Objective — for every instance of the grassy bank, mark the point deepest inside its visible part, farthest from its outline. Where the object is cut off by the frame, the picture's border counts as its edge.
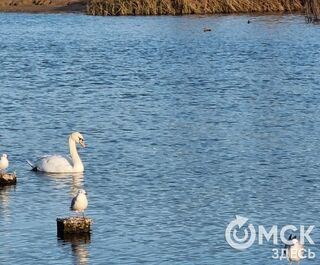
(184, 7)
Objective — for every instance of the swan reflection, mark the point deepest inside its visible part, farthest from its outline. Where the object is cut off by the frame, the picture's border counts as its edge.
(75, 180)
(79, 246)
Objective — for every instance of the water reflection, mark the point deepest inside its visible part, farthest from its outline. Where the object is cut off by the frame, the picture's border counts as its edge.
(4, 199)
(79, 246)
(75, 180)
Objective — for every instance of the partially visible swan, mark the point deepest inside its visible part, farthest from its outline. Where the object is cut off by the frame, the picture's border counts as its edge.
(61, 164)
(4, 162)
(295, 251)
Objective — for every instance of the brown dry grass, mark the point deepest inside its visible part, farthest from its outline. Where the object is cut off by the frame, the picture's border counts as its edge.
(311, 8)
(183, 7)
(312, 11)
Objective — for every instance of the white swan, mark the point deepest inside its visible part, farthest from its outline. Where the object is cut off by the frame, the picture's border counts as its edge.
(295, 250)
(61, 164)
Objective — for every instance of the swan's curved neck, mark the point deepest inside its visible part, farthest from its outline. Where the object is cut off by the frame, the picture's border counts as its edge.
(77, 163)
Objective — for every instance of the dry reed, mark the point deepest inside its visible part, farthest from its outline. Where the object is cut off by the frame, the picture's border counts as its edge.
(312, 11)
(184, 7)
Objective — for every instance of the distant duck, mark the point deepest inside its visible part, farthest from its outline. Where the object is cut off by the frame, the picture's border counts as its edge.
(4, 162)
(61, 164)
(206, 29)
(249, 21)
(294, 250)
(80, 202)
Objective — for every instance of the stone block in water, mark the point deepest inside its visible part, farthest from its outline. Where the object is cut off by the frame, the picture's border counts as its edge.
(73, 225)
(7, 178)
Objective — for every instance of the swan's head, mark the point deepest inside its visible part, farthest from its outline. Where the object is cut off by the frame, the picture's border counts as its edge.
(81, 191)
(78, 138)
(5, 156)
(295, 241)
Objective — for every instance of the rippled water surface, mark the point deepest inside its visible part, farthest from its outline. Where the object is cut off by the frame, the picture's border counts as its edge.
(184, 128)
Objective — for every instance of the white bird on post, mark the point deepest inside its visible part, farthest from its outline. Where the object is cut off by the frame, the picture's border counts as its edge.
(80, 202)
(4, 162)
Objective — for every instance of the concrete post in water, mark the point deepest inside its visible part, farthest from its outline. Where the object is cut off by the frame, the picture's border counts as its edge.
(8, 178)
(73, 225)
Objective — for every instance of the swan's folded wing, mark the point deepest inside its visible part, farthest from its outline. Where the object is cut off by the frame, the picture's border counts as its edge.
(54, 164)
(36, 162)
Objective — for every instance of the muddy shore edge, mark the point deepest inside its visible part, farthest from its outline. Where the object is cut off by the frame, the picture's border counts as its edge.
(44, 6)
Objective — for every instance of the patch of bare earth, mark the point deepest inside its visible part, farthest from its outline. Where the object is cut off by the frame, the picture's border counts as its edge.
(50, 6)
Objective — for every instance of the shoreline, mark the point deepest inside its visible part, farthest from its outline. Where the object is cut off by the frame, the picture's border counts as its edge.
(94, 7)
(43, 6)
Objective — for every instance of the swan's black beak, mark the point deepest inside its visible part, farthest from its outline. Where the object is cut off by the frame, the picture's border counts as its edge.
(81, 141)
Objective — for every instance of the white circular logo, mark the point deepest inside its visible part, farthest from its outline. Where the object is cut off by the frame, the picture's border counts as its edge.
(231, 234)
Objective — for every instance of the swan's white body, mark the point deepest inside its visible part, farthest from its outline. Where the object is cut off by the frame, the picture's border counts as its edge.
(4, 162)
(80, 202)
(61, 164)
(295, 251)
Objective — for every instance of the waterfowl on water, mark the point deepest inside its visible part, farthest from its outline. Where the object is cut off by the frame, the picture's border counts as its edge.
(294, 250)
(62, 164)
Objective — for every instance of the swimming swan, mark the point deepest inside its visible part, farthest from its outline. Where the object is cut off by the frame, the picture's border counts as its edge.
(61, 164)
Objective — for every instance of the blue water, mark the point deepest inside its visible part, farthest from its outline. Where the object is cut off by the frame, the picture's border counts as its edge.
(185, 129)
